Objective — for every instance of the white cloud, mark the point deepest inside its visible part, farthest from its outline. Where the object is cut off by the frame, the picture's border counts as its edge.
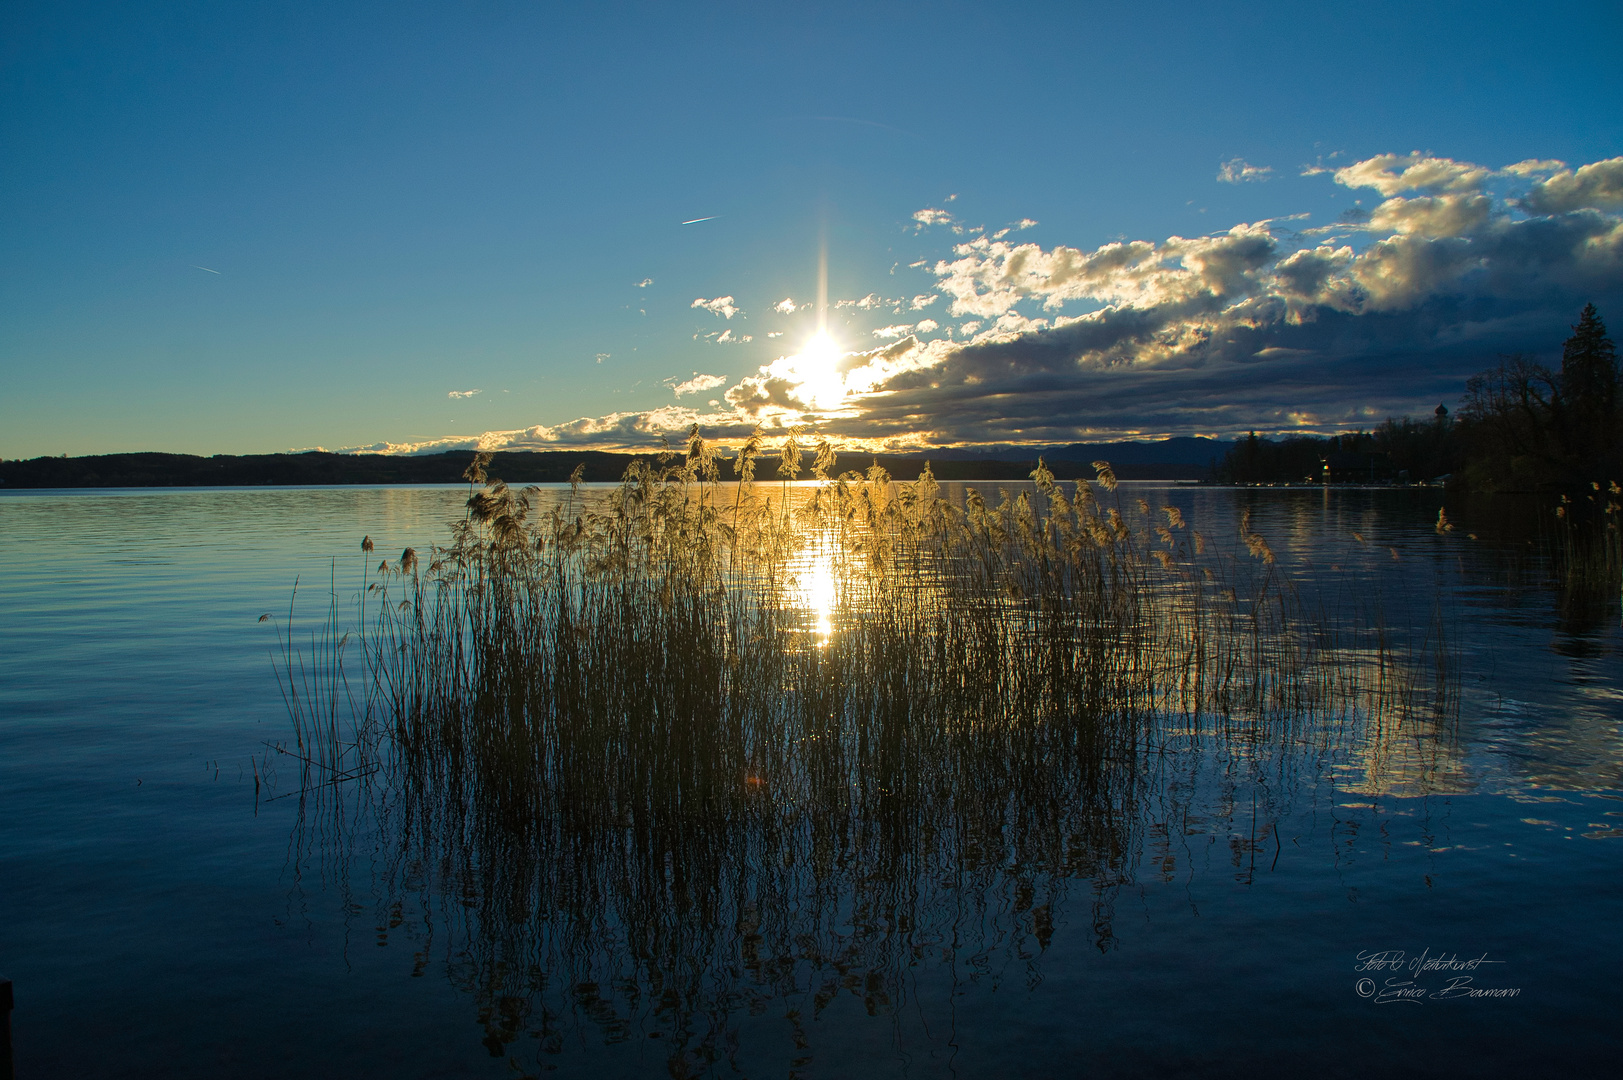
(775, 333)
(1393, 173)
(931, 216)
(786, 306)
(1025, 223)
(1238, 171)
(721, 305)
(1595, 187)
(924, 300)
(899, 330)
(602, 356)
(698, 384)
(1535, 167)
(1008, 327)
(866, 303)
(990, 277)
(616, 430)
(645, 282)
(723, 337)
(455, 394)
(1432, 215)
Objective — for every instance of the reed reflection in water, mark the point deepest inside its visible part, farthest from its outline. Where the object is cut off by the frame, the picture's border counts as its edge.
(683, 756)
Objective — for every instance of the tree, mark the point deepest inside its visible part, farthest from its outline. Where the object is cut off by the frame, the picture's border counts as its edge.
(1510, 417)
(1589, 380)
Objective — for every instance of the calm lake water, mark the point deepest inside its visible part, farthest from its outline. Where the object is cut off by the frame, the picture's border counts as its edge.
(164, 913)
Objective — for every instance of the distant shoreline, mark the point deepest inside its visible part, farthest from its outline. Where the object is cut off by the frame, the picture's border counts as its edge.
(318, 468)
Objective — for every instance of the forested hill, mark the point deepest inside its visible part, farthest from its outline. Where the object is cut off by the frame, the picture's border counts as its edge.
(552, 466)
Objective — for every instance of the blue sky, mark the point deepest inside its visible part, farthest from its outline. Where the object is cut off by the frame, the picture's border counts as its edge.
(230, 228)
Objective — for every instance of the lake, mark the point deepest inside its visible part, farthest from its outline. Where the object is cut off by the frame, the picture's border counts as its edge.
(177, 900)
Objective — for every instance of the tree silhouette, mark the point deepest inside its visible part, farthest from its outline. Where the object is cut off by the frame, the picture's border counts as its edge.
(1589, 390)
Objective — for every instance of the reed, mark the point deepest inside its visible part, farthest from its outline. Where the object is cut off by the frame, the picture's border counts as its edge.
(676, 751)
(1586, 544)
(332, 737)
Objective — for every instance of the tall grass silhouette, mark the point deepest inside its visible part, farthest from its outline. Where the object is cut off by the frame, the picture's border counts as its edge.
(669, 752)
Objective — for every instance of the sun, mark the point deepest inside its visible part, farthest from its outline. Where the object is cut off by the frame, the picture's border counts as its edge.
(817, 367)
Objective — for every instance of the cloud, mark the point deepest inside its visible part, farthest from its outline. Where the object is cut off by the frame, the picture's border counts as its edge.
(1534, 167)
(616, 430)
(931, 216)
(1238, 171)
(1393, 173)
(724, 337)
(1250, 328)
(925, 326)
(990, 277)
(1593, 187)
(866, 303)
(786, 306)
(721, 305)
(1246, 328)
(1266, 325)
(1305, 274)
(698, 384)
(455, 394)
(924, 300)
(1432, 215)
(602, 356)
(645, 282)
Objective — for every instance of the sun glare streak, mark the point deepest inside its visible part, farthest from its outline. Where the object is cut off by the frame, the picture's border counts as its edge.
(822, 280)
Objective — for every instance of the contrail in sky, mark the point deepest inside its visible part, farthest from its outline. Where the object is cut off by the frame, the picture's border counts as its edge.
(206, 268)
(696, 220)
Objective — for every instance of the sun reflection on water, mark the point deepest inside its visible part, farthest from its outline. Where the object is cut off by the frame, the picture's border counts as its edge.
(816, 592)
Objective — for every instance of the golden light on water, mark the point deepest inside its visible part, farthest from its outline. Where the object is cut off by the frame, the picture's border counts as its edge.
(815, 592)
